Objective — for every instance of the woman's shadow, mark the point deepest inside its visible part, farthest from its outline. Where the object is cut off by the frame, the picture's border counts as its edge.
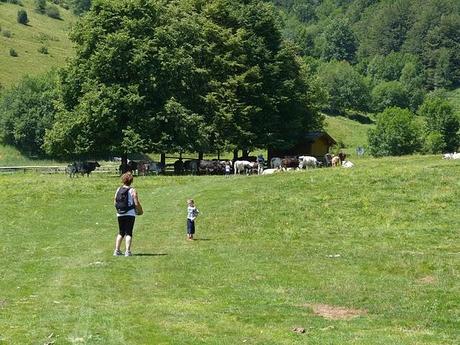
(149, 254)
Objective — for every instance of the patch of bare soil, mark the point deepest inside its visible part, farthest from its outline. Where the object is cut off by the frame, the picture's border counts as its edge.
(428, 280)
(331, 312)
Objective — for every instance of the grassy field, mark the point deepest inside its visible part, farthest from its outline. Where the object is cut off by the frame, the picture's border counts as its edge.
(41, 31)
(380, 241)
(349, 132)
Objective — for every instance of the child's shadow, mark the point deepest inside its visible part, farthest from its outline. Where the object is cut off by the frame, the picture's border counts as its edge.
(202, 239)
(149, 254)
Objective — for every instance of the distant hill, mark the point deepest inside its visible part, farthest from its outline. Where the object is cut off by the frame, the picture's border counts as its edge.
(41, 33)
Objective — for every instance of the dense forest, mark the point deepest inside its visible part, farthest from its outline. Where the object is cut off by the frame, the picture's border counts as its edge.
(357, 58)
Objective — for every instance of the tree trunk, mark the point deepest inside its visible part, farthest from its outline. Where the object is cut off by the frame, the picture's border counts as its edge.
(163, 158)
(245, 153)
(235, 154)
(124, 163)
(200, 156)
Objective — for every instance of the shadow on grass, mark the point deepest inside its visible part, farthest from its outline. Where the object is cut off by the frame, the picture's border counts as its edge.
(202, 239)
(149, 254)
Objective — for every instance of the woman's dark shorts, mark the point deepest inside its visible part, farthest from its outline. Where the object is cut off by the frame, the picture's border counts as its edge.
(126, 225)
(190, 226)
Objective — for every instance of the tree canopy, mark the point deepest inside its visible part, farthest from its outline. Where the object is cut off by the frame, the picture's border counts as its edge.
(181, 75)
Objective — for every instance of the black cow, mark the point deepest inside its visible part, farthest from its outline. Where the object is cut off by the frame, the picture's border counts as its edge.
(82, 168)
(131, 167)
(191, 166)
(213, 167)
(179, 167)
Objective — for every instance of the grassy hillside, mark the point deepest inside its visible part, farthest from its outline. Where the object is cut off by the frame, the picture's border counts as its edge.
(42, 31)
(349, 132)
(367, 255)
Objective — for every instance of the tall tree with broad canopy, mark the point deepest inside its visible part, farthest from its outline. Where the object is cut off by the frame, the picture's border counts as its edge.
(180, 75)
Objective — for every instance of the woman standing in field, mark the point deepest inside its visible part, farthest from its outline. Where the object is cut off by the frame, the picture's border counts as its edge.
(128, 206)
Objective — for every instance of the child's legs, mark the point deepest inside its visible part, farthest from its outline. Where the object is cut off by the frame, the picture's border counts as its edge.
(190, 228)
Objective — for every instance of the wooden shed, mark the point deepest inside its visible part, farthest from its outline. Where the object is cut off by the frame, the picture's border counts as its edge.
(315, 144)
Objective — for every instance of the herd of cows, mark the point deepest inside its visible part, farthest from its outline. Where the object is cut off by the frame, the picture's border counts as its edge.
(248, 165)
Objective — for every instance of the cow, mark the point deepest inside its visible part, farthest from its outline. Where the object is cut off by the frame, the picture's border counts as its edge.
(275, 163)
(454, 155)
(242, 167)
(132, 167)
(192, 166)
(82, 168)
(156, 168)
(289, 162)
(342, 156)
(143, 168)
(347, 164)
(210, 167)
(336, 161)
(179, 167)
(269, 171)
(306, 162)
(328, 160)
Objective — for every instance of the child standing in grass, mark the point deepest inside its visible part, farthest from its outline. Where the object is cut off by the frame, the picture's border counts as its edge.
(192, 213)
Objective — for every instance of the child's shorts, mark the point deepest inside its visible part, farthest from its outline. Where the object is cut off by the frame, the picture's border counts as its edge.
(190, 226)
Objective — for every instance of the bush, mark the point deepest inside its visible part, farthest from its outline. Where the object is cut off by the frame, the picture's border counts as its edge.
(434, 143)
(53, 12)
(43, 50)
(441, 119)
(13, 52)
(40, 6)
(22, 17)
(397, 132)
(6, 33)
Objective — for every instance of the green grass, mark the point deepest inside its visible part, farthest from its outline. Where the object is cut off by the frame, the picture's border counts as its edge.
(262, 255)
(350, 132)
(27, 39)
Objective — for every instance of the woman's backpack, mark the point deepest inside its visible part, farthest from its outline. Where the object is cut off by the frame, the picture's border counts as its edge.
(122, 201)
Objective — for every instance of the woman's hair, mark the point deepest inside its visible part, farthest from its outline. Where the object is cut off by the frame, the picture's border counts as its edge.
(127, 179)
(190, 201)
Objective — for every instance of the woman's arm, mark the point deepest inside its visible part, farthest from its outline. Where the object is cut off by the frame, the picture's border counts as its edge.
(137, 203)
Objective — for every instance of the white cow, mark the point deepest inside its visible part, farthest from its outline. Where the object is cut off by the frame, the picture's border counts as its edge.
(242, 167)
(347, 164)
(306, 162)
(455, 155)
(270, 171)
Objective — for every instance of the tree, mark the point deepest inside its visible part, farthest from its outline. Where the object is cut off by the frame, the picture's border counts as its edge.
(338, 42)
(345, 87)
(441, 123)
(389, 94)
(397, 132)
(181, 75)
(27, 111)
